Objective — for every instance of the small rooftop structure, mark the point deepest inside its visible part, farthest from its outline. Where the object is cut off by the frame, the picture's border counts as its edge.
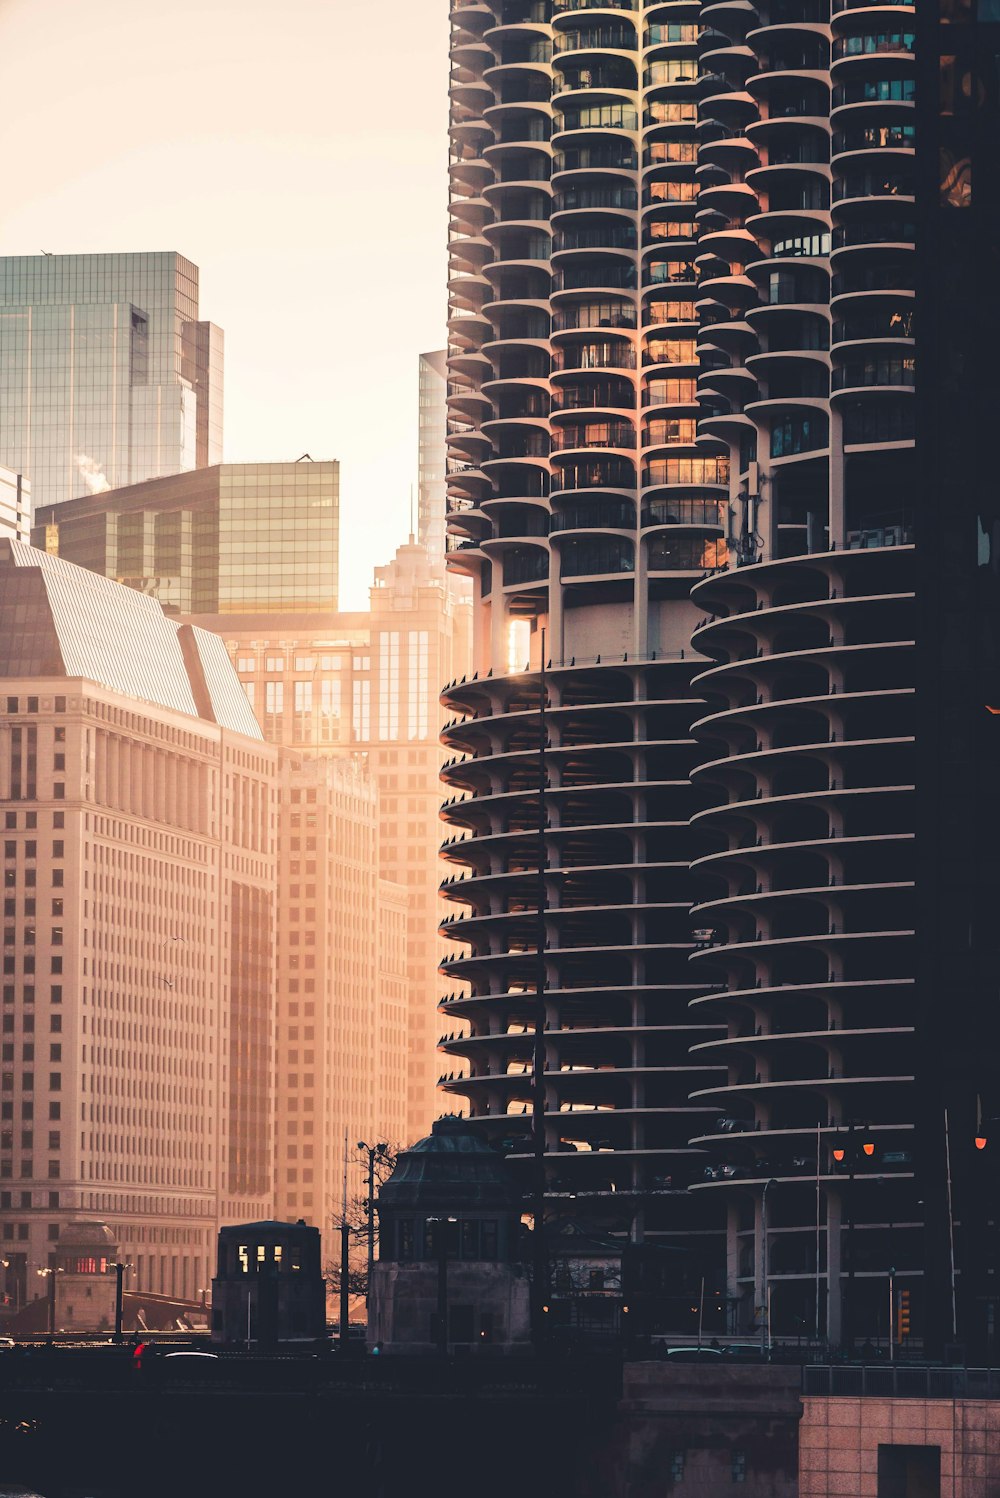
(269, 1287)
(449, 1270)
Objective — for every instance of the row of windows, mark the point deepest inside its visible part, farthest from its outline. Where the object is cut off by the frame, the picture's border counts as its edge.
(31, 704)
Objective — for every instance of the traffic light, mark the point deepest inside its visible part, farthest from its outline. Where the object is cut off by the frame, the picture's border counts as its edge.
(980, 1140)
(903, 1316)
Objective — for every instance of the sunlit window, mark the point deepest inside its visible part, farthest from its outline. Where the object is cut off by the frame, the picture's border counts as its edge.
(518, 644)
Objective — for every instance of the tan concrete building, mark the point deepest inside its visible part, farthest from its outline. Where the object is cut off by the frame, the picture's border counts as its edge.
(139, 810)
(340, 986)
(366, 685)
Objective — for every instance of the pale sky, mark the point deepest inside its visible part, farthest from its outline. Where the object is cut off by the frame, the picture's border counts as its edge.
(297, 153)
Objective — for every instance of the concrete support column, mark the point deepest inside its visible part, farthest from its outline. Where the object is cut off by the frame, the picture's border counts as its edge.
(498, 624)
(767, 509)
(732, 1252)
(838, 515)
(554, 642)
(834, 1298)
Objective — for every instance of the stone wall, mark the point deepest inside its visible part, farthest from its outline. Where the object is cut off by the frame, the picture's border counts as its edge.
(840, 1441)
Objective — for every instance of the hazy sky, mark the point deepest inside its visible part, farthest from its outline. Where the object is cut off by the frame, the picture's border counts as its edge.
(297, 153)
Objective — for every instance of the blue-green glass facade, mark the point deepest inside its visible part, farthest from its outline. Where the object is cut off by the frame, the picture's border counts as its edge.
(107, 376)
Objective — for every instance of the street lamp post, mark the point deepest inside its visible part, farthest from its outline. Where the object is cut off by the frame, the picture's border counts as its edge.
(375, 1152)
(51, 1273)
(841, 1151)
(120, 1271)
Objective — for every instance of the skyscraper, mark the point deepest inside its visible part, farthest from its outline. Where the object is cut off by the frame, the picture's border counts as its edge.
(234, 538)
(365, 686)
(107, 376)
(806, 886)
(341, 991)
(15, 506)
(431, 426)
(139, 808)
(733, 192)
(584, 504)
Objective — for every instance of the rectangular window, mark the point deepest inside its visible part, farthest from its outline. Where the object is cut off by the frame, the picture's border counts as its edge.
(274, 699)
(418, 683)
(361, 710)
(303, 696)
(388, 684)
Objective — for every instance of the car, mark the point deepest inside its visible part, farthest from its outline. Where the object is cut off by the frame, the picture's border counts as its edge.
(7, 1344)
(746, 1351)
(691, 1354)
(213, 1356)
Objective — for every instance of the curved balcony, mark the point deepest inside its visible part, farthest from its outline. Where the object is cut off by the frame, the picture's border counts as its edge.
(806, 901)
(617, 1030)
(580, 45)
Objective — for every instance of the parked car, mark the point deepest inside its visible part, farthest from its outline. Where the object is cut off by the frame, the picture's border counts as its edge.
(691, 1354)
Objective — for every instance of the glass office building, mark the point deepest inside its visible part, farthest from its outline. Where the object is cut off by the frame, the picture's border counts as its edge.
(107, 376)
(236, 538)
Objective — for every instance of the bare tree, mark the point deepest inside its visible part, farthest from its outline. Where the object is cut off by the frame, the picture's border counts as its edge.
(357, 1222)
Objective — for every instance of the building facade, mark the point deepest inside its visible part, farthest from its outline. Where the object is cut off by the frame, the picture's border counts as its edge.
(138, 957)
(15, 506)
(365, 686)
(107, 375)
(431, 435)
(234, 538)
(340, 997)
(585, 504)
(807, 877)
(735, 192)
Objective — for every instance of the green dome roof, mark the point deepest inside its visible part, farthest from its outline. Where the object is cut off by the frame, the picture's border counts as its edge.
(455, 1166)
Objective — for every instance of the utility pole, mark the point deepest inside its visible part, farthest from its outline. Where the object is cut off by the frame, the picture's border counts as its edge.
(374, 1152)
(539, 1275)
(850, 1241)
(345, 1259)
(765, 1302)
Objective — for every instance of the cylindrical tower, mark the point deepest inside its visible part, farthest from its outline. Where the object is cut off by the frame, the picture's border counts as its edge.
(807, 905)
(584, 504)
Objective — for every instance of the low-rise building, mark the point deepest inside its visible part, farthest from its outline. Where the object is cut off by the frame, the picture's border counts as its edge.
(268, 1287)
(450, 1274)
